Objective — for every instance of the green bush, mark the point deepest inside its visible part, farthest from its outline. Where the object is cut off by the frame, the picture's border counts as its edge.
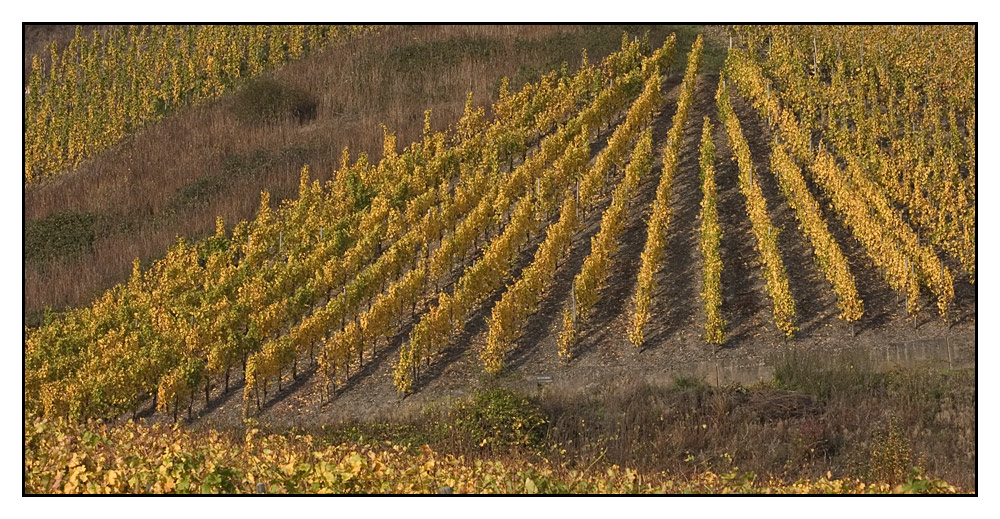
(501, 418)
(267, 101)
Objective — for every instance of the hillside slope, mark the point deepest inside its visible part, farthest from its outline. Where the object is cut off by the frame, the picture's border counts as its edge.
(173, 179)
(368, 308)
(674, 346)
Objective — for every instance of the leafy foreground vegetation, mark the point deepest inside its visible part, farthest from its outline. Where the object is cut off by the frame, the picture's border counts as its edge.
(688, 438)
(96, 458)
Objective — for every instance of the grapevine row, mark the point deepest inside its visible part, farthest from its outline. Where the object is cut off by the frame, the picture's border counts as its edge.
(282, 351)
(415, 350)
(596, 268)
(434, 331)
(828, 255)
(955, 197)
(920, 171)
(927, 267)
(447, 318)
(273, 281)
(653, 250)
(775, 276)
(711, 236)
(521, 299)
(403, 290)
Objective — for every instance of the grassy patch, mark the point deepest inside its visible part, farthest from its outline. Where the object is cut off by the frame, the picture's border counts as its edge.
(61, 234)
(818, 376)
(425, 59)
(492, 421)
(688, 382)
(841, 416)
(599, 40)
(263, 160)
(198, 192)
(417, 58)
(712, 56)
(236, 167)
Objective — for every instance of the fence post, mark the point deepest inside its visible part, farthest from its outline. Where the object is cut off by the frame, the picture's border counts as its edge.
(815, 55)
(947, 339)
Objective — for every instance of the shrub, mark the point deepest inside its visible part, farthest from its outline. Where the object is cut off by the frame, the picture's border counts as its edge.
(890, 459)
(267, 101)
(501, 418)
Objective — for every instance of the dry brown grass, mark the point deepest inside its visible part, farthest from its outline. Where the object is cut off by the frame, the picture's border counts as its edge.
(859, 423)
(879, 426)
(144, 193)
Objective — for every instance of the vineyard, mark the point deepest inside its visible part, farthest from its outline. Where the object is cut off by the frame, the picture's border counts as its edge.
(620, 217)
(159, 69)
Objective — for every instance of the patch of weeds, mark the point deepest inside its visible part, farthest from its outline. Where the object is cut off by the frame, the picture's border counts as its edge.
(419, 57)
(815, 440)
(198, 192)
(501, 418)
(526, 74)
(61, 234)
(599, 40)
(236, 167)
(249, 165)
(712, 58)
(934, 397)
(683, 382)
(848, 375)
